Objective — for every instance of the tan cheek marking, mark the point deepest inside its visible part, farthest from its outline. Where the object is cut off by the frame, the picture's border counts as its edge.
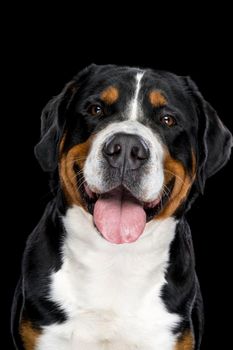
(76, 155)
(183, 181)
(110, 95)
(157, 99)
(185, 342)
(29, 335)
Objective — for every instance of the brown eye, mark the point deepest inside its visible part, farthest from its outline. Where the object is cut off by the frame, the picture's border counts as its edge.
(96, 110)
(168, 120)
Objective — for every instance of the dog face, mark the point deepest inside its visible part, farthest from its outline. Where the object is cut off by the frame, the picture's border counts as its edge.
(129, 145)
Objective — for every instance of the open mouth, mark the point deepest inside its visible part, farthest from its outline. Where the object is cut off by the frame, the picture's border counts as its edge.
(118, 215)
(151, 209)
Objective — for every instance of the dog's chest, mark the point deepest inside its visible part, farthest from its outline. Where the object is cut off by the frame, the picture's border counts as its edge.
(112, 293)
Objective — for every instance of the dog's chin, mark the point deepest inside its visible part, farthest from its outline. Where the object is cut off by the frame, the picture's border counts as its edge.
(119, 215)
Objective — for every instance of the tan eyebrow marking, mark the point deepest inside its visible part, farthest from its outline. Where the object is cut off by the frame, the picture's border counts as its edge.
(157, 99)
(110, 95)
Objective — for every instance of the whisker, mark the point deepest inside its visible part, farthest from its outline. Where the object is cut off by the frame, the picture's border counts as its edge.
(79, 172)
(80, 158)
(80, 178)
(72, 161)
(81, 184)
(166, 190)
(176, 176)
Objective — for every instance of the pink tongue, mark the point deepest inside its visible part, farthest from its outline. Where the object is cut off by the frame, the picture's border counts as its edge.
(119, 217)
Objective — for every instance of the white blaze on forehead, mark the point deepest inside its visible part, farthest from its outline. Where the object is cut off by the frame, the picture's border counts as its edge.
(134, 105)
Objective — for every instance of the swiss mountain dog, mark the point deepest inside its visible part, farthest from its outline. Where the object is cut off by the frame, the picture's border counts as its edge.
(110, 265)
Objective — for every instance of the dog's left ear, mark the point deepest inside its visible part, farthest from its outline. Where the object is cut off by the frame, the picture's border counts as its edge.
(215, 140)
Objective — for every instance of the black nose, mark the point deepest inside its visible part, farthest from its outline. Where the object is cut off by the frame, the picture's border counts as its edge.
(125, 151)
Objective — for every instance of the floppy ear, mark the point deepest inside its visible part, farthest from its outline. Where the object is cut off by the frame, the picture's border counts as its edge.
(215, 140)
(52, 127)
(53, 120)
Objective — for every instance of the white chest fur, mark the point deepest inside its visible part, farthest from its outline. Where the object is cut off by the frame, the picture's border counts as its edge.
(111, 293)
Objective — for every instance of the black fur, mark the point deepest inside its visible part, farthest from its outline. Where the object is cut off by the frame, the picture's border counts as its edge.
(198, 129)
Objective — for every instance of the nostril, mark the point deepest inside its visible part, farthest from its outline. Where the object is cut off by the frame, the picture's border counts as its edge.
(112, 149)
(135, 152)
(139, 152)
(116, 149)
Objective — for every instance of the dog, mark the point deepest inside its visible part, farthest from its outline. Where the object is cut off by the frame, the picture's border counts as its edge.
(111, 265)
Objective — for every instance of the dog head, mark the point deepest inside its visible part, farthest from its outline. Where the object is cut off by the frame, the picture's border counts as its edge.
(129, 145)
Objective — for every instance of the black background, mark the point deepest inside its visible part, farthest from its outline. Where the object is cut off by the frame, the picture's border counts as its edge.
(43, 54)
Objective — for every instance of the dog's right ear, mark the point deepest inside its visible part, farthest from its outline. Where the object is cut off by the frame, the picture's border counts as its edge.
(52, 127)
(53, 119)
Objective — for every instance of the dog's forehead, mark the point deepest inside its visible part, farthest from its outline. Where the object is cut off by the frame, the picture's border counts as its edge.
(125, 79)
(120, 84)
(121, 78)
